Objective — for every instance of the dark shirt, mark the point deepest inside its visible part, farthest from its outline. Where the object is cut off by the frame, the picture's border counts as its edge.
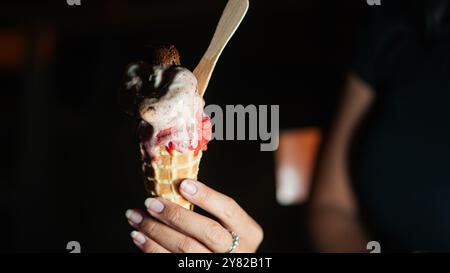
(401, 154)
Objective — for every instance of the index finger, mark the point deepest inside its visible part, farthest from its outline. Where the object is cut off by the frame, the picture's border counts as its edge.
(221, 206)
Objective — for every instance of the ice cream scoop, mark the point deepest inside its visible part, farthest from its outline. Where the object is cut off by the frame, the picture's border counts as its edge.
(164, 95)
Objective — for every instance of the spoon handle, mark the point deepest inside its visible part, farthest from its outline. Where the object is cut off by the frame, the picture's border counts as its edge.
(232, 16)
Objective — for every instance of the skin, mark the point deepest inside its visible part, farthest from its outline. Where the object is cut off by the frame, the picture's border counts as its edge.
(166, 227)
(334, 222)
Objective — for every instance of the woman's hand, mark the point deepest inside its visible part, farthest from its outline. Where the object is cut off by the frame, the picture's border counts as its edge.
(167, 227)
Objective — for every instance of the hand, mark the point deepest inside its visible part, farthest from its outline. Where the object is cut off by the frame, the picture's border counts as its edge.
(167, 227)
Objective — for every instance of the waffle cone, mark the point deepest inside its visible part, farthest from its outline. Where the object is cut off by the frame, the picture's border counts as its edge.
(163, 177)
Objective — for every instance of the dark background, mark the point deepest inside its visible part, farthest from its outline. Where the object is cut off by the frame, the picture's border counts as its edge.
(70, 165)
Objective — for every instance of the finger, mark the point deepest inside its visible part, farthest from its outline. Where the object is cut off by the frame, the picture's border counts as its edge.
(223, 207)
(134, 217)
(169, 238)
(146, 244)
(207, 231)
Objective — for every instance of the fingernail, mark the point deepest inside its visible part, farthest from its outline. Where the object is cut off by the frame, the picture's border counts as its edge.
(154, 205)
(138, 237)
(188, 187)
(134, 216)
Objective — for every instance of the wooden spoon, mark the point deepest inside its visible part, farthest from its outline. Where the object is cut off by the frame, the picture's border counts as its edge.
(232, 16)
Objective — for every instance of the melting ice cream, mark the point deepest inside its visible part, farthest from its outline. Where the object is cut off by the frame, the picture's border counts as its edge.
(165, 98)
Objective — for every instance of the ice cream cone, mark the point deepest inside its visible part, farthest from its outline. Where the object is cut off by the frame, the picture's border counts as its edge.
(162, 177)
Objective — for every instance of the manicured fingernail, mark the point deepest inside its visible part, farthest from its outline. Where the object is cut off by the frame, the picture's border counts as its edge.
(138, 237)
(189, 187)
(134, 216)
(154, 205)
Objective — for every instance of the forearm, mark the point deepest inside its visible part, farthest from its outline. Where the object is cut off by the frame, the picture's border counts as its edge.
(334, 223)
(334, 230)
